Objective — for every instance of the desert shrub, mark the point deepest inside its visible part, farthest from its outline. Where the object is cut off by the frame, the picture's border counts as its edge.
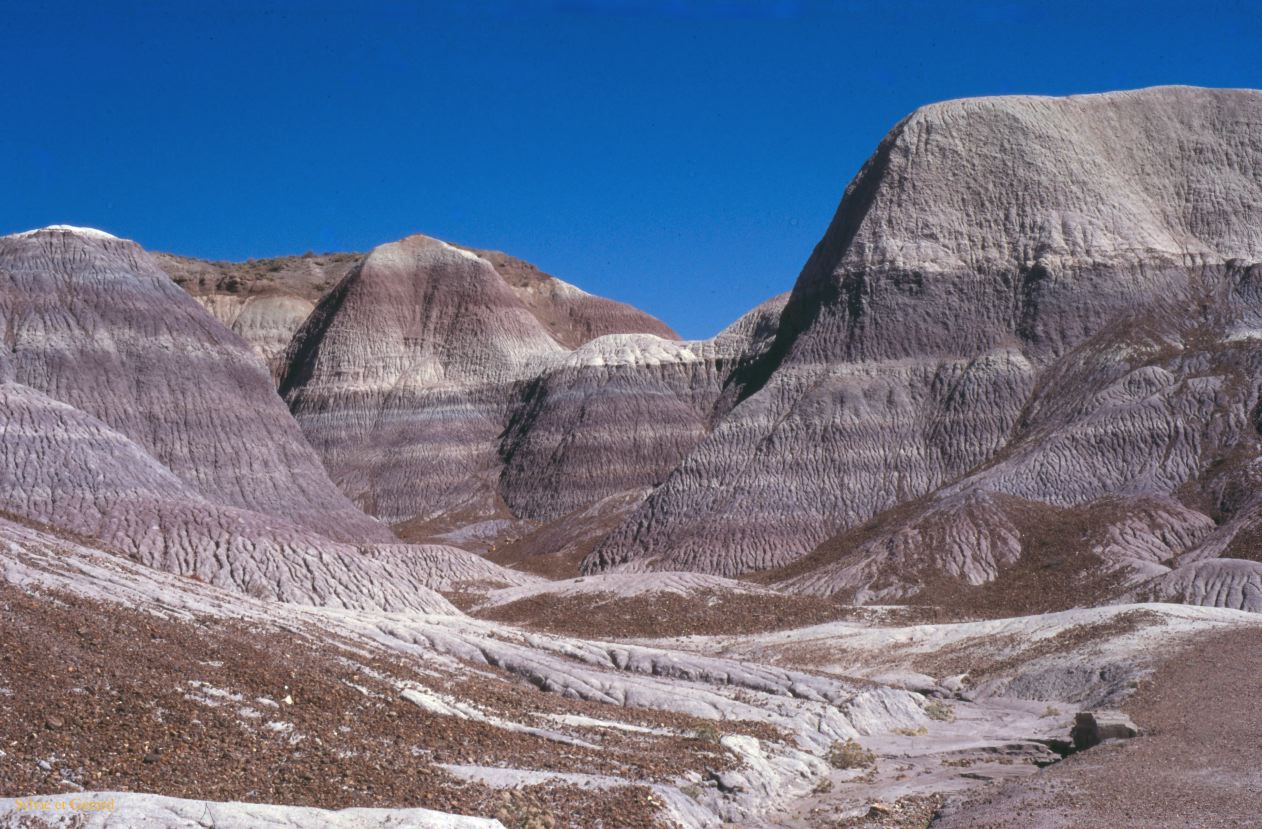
(848, 754)
(939, 710)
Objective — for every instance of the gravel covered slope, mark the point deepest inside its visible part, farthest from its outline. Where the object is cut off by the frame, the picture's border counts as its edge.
(1194, 764)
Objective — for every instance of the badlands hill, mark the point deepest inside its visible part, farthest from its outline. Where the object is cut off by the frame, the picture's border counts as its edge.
(1019, 374)
(267, 300)
(442, 393)
(132, 418)
(1029, 316)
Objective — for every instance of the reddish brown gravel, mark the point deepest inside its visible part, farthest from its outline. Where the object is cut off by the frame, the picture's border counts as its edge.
(106, 698)
(1195, 765)
(657, 615)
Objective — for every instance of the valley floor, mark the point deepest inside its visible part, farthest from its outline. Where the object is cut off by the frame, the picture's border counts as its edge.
(117, 679)
(1194, 765)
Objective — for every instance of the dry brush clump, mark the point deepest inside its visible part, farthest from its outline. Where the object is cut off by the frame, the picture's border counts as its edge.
(848, 754)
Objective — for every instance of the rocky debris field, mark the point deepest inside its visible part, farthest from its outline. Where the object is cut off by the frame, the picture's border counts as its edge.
(121, 678)
(99, 697)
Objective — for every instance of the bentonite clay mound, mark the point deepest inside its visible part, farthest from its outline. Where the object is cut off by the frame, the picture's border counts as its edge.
(92, 322)
(1048, 298)
(132, 416)
(443, 389)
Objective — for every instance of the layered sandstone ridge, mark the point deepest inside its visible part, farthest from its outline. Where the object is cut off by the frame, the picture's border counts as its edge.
(1048, 299)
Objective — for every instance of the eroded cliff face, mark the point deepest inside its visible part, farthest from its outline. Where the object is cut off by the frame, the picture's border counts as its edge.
(1050, 299)
(90, 320)
(263, 300)
(130, 415)
(445, 387)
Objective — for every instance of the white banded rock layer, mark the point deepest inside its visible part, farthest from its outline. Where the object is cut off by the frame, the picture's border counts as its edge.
(616, 414)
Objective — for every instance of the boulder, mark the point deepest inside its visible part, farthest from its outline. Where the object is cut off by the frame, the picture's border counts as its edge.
(1094, 727)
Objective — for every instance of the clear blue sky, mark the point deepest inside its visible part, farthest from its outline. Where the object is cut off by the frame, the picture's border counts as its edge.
(681, 155)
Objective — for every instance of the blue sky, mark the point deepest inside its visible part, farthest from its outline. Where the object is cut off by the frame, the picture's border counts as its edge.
(680, 155)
